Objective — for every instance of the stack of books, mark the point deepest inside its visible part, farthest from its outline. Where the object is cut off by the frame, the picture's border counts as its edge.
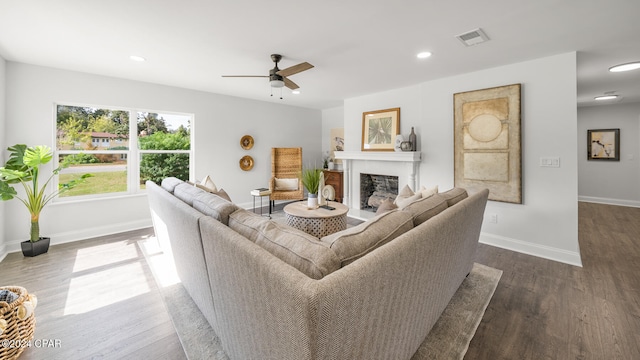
(260, 192)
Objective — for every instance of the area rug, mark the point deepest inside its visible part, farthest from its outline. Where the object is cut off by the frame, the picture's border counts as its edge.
(449, 338)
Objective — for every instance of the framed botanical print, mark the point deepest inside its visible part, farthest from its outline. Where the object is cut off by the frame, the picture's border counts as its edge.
(379, 129)
(603, 144)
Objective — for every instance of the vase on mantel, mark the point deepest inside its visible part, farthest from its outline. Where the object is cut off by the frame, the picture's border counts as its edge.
(413, 140)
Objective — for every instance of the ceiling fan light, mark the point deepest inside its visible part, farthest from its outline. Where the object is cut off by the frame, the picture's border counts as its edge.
(625, 67)
(277, 83)
(605, 97)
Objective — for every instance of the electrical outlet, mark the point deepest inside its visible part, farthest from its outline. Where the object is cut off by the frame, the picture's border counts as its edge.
(492, 218)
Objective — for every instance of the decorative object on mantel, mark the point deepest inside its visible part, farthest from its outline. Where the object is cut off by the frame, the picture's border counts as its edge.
(413, 140)
(487, 142)
(246, 142)
(23, 167)
(399, 139)
(379, 129)
(603, 144)
(405, 146)
(246, 163)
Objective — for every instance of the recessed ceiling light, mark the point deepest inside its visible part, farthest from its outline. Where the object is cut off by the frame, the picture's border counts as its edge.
(137, 58)
(423, 55)
(625, 67)
(606, 97)
(295, 92)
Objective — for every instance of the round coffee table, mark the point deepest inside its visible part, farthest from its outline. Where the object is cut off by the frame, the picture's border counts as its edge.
(318, 222)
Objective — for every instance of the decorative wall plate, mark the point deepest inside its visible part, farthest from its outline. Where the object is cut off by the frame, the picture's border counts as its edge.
(246, 163)
(246, 142)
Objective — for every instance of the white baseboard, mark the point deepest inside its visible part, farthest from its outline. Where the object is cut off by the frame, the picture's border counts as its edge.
(3, 252)
(83, 234)
(607, 201)
(546, 252)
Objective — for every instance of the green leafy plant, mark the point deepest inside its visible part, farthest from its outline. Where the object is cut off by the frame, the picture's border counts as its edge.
(311, 180)
(23, 167)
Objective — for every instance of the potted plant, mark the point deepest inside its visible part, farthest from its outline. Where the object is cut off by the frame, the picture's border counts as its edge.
(23, 167)
(311, 181)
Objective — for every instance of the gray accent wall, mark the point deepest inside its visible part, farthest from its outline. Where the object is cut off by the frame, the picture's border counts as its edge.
(610, 182)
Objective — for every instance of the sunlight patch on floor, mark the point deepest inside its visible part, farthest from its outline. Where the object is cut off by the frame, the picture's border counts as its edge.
(105, 288)
(104, 255)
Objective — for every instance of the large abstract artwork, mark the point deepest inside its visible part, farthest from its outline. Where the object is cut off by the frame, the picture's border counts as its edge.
(487, 142)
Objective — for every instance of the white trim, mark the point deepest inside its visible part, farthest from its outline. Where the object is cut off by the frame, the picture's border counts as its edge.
(546, 252)
(84, 234)
(404, 156)
(608, 201)
(3, 252)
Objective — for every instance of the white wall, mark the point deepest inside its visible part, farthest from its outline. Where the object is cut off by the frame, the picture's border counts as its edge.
(220, 122)
(610, 182)
(546, 224)
(2, 152)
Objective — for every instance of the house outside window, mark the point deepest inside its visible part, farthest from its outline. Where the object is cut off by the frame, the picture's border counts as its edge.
(121, 148)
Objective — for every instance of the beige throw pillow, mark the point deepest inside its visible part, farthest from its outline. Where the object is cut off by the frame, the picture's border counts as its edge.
(286, 184)
(386, 206)
(428, 192)
(207, 184)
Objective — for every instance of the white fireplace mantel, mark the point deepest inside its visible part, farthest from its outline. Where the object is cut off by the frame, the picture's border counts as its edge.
(404, 156)
(412, 159)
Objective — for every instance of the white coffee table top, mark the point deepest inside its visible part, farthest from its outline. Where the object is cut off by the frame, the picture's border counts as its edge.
(300, 209)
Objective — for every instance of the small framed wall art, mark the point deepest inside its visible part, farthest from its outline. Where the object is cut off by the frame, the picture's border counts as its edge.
(603, 144)
(379, 129)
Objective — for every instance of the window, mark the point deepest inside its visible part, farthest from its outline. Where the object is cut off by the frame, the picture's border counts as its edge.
(121, 148)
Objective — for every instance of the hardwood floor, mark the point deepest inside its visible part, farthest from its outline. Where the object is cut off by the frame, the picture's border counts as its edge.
(548, 310)
(99, 298)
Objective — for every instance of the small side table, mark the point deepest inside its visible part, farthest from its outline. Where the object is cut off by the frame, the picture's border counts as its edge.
(260, 195)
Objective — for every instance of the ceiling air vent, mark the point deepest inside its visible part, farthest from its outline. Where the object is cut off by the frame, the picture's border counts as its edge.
(473, 37)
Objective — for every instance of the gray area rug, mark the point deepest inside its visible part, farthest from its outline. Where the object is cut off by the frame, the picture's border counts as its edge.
(449, 338)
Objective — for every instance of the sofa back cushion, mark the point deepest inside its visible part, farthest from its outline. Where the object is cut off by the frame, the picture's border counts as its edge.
(423, 209)
(454, 195)
(298, 249)
(170, 183)
(214, 206)
(187, 192)
(353, 243)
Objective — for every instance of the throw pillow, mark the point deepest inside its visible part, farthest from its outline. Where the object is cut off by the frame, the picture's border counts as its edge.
(208, 184)
(386, 206)
(286, 184)
(428, 192)
(404, 193)
(402, 203)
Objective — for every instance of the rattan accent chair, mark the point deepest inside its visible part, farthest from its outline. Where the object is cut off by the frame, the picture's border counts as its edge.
(286, 163)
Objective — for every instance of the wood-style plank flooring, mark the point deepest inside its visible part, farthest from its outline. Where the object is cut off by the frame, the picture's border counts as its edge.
(548, 310)
(99, 298)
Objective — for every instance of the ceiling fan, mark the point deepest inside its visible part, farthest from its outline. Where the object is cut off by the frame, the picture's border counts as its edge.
(278, 78)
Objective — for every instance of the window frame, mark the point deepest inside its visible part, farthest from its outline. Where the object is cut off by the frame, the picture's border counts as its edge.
(134, 153)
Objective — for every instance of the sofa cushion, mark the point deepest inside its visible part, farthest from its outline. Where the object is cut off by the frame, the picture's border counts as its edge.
(353, 243)
(454, 195)
(214, 206)
(423, 209)
(170, 183)
(298, 249)
(187, 193)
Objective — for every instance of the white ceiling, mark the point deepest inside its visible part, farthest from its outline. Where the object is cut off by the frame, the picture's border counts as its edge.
(357, 46)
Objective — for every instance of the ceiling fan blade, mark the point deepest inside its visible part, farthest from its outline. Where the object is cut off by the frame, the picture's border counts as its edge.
(295, 69)
(290, 84)
(262, 76)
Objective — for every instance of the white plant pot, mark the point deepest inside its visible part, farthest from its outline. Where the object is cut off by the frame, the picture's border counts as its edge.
(312, 201)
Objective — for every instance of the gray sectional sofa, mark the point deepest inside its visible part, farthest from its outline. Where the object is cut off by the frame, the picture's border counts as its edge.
(269, 291)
